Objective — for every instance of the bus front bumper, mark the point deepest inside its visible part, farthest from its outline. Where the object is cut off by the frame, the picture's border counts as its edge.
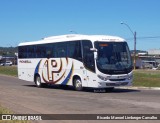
(114, 84)
(123, 80)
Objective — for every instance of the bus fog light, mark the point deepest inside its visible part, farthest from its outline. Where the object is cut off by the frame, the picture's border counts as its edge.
(130, 77)
(99, 83)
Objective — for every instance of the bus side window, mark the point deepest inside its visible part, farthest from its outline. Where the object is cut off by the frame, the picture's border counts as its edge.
(48, 48)
(77, 51)
(22, 52)
(38, 52)
(54, 55)
(43, 52)
(60, 50)
(74, 50)
(31, 52)
(70, 49)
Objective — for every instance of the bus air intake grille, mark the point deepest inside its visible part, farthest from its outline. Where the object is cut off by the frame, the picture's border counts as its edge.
(117, 79)
(117, 84)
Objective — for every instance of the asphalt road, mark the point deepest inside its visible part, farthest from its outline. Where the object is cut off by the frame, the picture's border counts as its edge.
(23, 97)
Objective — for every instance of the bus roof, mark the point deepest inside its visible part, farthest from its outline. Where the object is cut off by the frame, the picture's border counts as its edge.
(73, 37)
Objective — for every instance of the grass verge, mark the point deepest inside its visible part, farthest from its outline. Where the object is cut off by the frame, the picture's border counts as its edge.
(7, 111)
(9, 70)
(146, 78)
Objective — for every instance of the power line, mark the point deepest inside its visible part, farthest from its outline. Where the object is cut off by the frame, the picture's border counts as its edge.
(145, 37)
(148, 37)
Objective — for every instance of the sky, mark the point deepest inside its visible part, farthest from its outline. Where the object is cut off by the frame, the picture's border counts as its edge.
(31, 20)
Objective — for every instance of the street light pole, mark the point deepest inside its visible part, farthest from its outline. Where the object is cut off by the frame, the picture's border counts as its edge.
(134, 35)
(134, 62)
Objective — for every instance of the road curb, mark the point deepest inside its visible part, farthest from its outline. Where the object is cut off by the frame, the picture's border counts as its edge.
(142, 88)
(9, 76)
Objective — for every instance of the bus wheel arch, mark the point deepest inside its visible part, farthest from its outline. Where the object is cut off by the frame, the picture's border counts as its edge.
(77, 83)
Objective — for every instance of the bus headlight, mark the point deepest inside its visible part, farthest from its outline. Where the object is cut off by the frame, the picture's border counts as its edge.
(103, 78)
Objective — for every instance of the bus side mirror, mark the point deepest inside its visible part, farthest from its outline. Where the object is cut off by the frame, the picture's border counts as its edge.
(93, 49)
(95, 52)
(95, 55)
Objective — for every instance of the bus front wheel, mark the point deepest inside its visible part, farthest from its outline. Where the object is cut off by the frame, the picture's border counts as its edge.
(78, 84)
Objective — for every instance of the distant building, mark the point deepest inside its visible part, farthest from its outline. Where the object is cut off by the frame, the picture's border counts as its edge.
(143, 53)
(149, 60)
(155, 52)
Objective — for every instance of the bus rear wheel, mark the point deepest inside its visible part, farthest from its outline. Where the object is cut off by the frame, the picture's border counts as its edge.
(78, 84)
(38, 81)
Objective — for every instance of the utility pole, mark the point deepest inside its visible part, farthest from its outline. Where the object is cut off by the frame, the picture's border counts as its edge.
(134, 50)
(134, 35)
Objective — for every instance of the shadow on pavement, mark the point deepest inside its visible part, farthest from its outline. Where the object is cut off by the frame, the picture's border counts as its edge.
(120, 90)
(92, 90)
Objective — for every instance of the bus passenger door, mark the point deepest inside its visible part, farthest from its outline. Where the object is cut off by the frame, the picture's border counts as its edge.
(88, 61)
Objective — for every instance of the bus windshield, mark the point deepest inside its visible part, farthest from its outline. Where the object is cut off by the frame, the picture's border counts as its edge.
(113, 57)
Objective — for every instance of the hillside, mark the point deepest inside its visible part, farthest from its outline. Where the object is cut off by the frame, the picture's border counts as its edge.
(8, 51)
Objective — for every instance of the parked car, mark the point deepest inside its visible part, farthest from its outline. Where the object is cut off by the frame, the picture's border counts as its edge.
(7, 63)
(156, 68)
(2, 64)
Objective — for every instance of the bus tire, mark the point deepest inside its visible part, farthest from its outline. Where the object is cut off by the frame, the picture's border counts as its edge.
(38, 81)
(77, 83)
